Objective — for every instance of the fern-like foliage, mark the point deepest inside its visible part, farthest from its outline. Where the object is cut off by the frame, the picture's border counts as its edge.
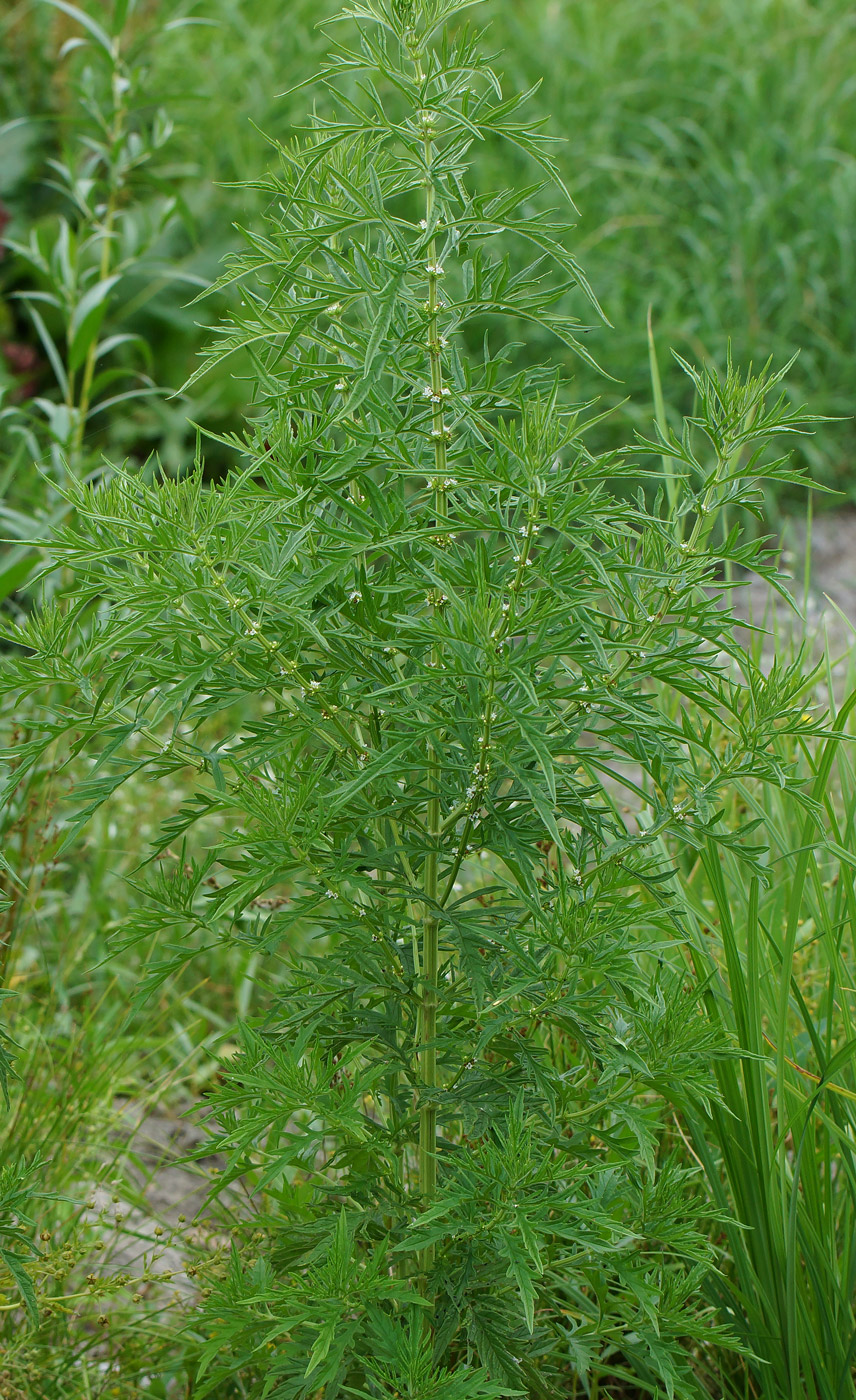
(410, 648)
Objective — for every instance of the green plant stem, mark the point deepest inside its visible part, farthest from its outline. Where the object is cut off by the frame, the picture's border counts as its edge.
(670, 476)
(103, 273)
(430, 922)
(92, 352)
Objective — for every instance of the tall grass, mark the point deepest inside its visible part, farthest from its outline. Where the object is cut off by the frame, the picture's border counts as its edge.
(776, 958)
(711, 149)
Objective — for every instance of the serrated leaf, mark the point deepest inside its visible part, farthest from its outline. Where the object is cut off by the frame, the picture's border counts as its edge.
(15, 1264)
(520, 1270)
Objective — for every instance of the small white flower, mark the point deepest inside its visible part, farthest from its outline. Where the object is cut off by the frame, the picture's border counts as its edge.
(423, 223)
(443, 341)
(524, 530)
(334, 308)
(314, 685)
(427, 391)
(450, 481)
(341, 385)
(435, 270)
(446, 392)
(355, 596)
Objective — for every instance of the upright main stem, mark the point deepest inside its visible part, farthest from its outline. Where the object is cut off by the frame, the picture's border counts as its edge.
(119, 114)
(92, 352)
(430, 921)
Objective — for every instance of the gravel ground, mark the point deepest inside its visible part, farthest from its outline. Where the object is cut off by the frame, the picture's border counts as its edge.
(831, 591)
(157, 1214)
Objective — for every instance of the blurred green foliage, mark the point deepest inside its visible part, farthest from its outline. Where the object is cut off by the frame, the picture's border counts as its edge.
(710, 146)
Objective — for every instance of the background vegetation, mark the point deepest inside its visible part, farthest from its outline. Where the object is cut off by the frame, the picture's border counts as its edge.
(710, 148)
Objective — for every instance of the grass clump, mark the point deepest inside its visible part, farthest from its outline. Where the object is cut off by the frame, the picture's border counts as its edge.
(775, 956)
